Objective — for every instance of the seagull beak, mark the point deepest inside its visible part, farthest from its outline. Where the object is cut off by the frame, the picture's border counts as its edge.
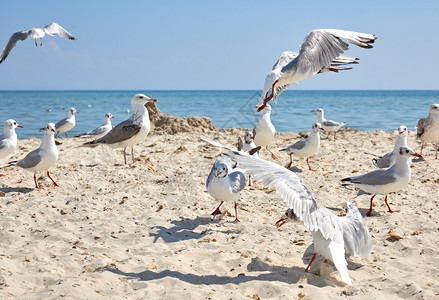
(322, 129)
(112, 117)
(313, 110)
(280, 222)
(52, 130)
(218, 173)
(252, 138)
(417, 155)
(256, 106)
(19, 126)
(153, 100)
(401, 132)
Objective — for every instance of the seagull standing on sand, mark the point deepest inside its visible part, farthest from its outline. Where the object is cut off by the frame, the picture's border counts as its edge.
(264, 131)
(101, 130)
(349, 233)
(248, 143)
(66, 124)
(329, 232)
(8, 140)
(328, 125)
(319, 53)
(35, 33)
(131, 131)
(43, 158)
(307, 147)
(389, 159)
(385, 181)
(225, 184)
(428, 128)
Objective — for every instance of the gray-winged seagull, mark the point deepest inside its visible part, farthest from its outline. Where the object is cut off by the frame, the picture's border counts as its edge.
(8, 140)
(101, 130)
(428, 128)
(328, 125)
(388, 159)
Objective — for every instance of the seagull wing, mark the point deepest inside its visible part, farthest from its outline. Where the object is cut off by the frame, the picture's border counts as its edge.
(54, 28)
(18, 36)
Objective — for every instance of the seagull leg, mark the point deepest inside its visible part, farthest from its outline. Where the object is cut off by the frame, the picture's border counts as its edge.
(56, 135)
(390, 211)
(132, 153)
(54, 183)
(422, 148)
(41, 42)
(236, 213)
(66, 134)
(312, 259)
(309, 165)
(370, 209)
(36, 185)
(273, 156)
(217, 210)
(335, 132)
(1, 175)
(36, 44)
(436, 148)
(249, 180)
(125, 154)
(291, 160)
(268, 98)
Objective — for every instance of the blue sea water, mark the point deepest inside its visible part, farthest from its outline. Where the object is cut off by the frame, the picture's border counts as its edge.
(365, 110)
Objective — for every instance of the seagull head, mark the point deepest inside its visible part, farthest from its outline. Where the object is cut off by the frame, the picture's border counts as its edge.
(402, 130)
(220, 170)
(289, 216)
(318, 111)
(109, 116)
(141, 99)
(50, 128)
(316, 127)
(407, 152)
(72, 111)
(11, 125)
(248, 137)
(434, 109)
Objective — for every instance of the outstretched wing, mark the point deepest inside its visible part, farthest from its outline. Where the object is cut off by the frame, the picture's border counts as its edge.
(18, 36)
(54, 28)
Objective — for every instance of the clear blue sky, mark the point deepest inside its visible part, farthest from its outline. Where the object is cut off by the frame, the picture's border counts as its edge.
(184, 45)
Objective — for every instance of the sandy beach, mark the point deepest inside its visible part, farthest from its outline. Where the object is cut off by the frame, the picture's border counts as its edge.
(144, 230)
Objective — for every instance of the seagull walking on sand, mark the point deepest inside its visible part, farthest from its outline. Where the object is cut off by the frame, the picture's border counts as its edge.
(264, 130)
(319, 53)
(131, 131)
(428, 128)
(66, 124)
(385, 181)
(349, 234)
(328, 125)
(8, 140)
(389, 159)
(35, 33)
(224, 183)
(43, 158)
(101, 130)
(328, 230)
(307, 147)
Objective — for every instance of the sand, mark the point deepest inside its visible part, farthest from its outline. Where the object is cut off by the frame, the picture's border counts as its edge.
(144, 230)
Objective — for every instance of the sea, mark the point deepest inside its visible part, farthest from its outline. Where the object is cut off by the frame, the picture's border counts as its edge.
(365, 110)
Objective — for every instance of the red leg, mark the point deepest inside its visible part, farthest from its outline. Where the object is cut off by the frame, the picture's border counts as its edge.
(390, 211)
(66, 134)
(36, 185)
(269, 97)
(56, 135)
(291, 160)
(236, 213)
(1, 175)
(273, 156)
(370, 209)
(249, 180)
(217, 210)
(309, 165)
(325, 261)
(312, 259)
(54, 183)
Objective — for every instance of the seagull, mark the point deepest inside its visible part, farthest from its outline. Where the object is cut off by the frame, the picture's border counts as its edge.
(247, 145)
(35, 33)
(264, 131)
(43, 158)
(301, 201)
(307, 147)
(131, 131)
(328, 125)
(350, 235)
(388, 159)
(385, 181)
(224, 183)
(66, 124)
(8, 140)
(319, 53)
(428, 128)
(101, 130)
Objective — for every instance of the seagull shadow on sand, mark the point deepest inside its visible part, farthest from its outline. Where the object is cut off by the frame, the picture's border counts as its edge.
(287, 274)
(24, 190)
(183, 230)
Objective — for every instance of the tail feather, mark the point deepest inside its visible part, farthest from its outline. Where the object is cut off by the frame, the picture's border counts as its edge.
(375, 162)
(347, 179)
(13, 163)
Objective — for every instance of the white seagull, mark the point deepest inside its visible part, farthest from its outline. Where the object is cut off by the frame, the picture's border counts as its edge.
(247, 145)
(264, 131)
(319, 53)
(8, 140)
(66, 124)
(328, 125)
(351, 235)
(388, 159)
(35, 33)
(131, 131)
(327, 229)
(43, 158)
(307, 147)
(101, 130)
(385, 181)
(428, 128)
(224, 183)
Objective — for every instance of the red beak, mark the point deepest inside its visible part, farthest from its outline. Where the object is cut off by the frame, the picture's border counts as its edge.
(19, 126)
(53, 130)
(280, 222)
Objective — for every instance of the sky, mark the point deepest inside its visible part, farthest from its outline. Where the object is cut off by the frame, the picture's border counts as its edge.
(213, 45)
